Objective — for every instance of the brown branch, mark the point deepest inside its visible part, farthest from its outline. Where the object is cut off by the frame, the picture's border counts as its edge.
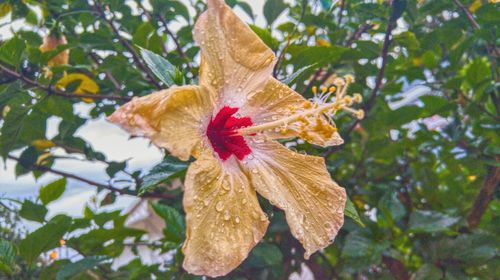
(378, 81)
(172, 35)
(108, 73)
(485, 196)
(396, 267)
(54, 91)
(468, 14)
(92, 183)
(341, 12)
(127, 45)
(491, 49)
(357, 34)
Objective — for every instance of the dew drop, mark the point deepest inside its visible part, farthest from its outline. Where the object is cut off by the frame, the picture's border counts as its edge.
(244, 201)
(226, 215)
(237, 219)
(219, 206)
(206, 202)
(255, 171)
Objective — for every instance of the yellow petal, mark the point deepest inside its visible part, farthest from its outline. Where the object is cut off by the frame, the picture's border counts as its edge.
(224, 219)
(235, 61)
(302, 187)
(277, 101)
(171, 118)
(86, 84)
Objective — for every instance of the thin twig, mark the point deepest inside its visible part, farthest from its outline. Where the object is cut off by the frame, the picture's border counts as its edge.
(55, 91)
(288, 42)
(108, 73)
(378, 81)
(92, 183)
(485, 196)
(341, 12)
(126, 44)
(357, 34)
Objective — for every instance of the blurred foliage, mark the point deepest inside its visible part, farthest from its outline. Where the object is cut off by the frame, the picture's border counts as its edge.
(423, 175)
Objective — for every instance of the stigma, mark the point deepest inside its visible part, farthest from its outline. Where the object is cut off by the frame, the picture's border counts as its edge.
(222, 132)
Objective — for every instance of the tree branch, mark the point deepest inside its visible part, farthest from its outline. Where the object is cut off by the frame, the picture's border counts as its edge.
(93, 183)
(378, 81)
(485, 196)
(126, 44)
(54, 91)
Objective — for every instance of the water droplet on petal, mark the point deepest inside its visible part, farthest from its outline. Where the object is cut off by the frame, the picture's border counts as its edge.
(219, 206)
(226, 215)
(244, 201)
(237, 219)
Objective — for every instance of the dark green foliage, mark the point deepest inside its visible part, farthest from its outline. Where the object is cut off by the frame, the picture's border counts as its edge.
(422, 178)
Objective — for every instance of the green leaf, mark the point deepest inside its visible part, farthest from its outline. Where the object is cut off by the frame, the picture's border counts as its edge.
(266, 36)
(162, 68)
(430, 221)
(294, 76)
(175, 227)
(351, 212)
(52, 191)
(428, 272)
(114, 167)
(72, 269)
(44, 238)
(320, 55)
(28, 157)
(265, 255)
(32, 211)
(476, 71)
(272, 10)
(170, 168)
(12, 51)
(7, 255)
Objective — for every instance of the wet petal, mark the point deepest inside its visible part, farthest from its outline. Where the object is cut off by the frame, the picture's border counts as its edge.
(235, 61)
(277, 101)
(172, 118)
(224, 219)
(302, 187)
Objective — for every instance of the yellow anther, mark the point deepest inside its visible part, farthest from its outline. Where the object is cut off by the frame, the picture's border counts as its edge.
(324, 90)
(360, 114)
(283, 131)
(315, 89)
(339, 82)
(292, 109)
(307, 105)
(349, 79)
(357, 98)
(332, 89)
(348, 100)
(303, 120)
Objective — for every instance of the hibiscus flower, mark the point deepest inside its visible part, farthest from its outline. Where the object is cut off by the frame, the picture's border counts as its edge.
(230, 124)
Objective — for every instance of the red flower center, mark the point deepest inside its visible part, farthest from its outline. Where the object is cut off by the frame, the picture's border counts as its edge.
(221, 132)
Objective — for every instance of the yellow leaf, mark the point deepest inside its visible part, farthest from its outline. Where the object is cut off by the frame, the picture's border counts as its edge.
(5, 9)
(417, 61)
(86, 86)
(475, 5)
(42, 159)
(322, 42)
(42, 144)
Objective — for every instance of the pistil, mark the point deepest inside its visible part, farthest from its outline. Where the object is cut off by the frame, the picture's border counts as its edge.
(329, 109)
